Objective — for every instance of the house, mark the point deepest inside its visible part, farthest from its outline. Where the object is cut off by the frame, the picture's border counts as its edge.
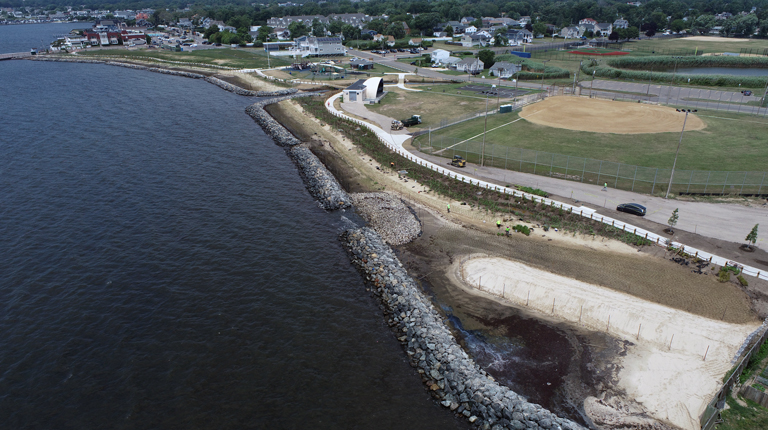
(458, 28)
(361, 64)
(288, 20)
(406, 28)
(470, 65)
(467, 20)
(724, 15)
(228, 28)
(524, 20)
(551, 28)
(281, 33)
(503, 69)
(450, 62)
(621, 23)
(254, 30)
(439, 34)
(570, 32)
(378, 37)
(470, 40)
(517, 37)
(438, 55)
(584, 28)
(390, 40)
(634, 3)
(314, 46)
(587, 21)
(416, 41)
(185, 23)
(604, 28)
(358, 20)
(365, 91)
(471, 29)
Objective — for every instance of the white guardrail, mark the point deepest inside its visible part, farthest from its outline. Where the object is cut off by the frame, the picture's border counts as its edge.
(387, 139)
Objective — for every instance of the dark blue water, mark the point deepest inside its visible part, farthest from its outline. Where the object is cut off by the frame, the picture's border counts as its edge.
(23, 37)
(163, 267)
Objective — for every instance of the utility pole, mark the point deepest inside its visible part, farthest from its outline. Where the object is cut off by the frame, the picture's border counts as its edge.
(672, 174)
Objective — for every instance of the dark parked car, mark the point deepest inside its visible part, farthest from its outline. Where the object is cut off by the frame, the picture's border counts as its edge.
(631, 208)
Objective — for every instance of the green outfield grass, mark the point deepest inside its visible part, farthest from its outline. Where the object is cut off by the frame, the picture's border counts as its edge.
(731, 142)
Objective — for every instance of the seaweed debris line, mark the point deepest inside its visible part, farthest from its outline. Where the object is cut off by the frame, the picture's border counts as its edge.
(451, 375)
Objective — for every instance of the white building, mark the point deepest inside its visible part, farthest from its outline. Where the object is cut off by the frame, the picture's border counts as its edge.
(365, 91)
(438, 55)
(317, 46)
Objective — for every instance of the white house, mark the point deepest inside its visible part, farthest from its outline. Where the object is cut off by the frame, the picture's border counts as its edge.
(470, 65)
(450, 61)
(605, 29)
(517, 37)
(470, 40)
(438, 55)
(311, 45)
(570, 32)
(621, 23)
(469, 30)
(503, 69)
(587, 21)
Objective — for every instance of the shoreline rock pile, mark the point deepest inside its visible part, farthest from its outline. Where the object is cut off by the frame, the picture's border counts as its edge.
(451, 375)
(243, 92)
(389, 216)
(319, 181)
(119, 64)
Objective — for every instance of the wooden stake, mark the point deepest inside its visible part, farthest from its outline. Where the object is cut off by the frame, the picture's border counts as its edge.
(705, 354)
(529, 298)
(638, 332)
(581, 312)
(670, 342)
(553, 306)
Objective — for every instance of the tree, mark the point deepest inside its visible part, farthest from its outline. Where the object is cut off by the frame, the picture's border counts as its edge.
(752, 237)
(449, 30)
(487, 57)
(632, 33)
(350, 32)
(677, 25)
(298, 29)
(318, 29)
(615, 34)
(539, 28)
(500, 39)
(650, 33)
(396, 30)
(149, 39)
(672, 221)
(263, 34)
(210, 31)
(335, 26)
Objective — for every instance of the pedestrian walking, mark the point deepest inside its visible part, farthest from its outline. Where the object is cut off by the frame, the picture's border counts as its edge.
(449, 208)
(507, 230)
(498, 224)
(605, 186)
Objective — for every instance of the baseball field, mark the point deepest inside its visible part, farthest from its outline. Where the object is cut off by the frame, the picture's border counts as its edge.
(620, 132)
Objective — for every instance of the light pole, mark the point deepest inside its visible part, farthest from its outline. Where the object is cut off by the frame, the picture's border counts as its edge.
(485, 128)
(672, 175)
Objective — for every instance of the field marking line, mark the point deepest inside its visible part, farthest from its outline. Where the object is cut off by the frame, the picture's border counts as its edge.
(495, 128)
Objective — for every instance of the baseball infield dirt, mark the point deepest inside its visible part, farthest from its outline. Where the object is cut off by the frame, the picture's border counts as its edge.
(607, 116)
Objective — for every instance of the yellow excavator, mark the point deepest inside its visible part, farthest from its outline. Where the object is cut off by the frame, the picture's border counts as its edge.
(458, 161)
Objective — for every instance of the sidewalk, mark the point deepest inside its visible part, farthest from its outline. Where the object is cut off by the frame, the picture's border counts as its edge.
(395, 142)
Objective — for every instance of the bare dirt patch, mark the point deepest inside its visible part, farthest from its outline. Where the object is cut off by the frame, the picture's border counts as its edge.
(715, 39)
(664, 368)
(606, 116)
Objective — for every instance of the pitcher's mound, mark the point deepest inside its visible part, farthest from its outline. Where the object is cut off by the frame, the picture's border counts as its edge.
(606, 116)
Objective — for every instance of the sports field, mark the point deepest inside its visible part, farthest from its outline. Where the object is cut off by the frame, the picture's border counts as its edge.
(728, 142)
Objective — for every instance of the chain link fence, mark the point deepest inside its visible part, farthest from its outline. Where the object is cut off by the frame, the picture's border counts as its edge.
(629, 177)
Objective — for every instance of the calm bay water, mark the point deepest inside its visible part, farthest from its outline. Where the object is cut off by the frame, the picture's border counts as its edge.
(162, 266)
(22, 38)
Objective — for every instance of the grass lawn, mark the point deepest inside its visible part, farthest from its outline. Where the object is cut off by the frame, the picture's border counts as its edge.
(450, 48)
(230, 57)
(731, 142)
(737, 417)
(717, 44)
(433, 106)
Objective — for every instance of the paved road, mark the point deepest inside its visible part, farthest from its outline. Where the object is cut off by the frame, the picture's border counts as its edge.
(729, 222)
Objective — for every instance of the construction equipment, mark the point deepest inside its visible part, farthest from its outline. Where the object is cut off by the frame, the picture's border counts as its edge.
(413, 120)
(458, 161)
(397, 125)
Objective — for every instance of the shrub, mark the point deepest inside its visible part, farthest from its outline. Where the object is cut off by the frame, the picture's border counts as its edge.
(522, 229)
(742, 281)
(724, 275)
(534, 191)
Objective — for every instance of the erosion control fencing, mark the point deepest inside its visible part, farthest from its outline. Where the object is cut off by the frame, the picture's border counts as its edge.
(629, 177)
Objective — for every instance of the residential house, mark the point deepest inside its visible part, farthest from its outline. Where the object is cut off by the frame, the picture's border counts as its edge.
(470, 65)
(470, 40)
(517, 37)
(450, 62)
(254, 30)
(570, 32)
(458, 28)
(439, 34)
(438, 55)
(621, 23)
(406, 28)
(416, 41)
(588, 21)
(551, 28)
(378, 37)
(471, 29)
(504, 70)
(319, 46)
(584, 28)
(390, 40)
(605, 29)
(524, 20)
(228, 28)
(354, 19)
(634, 3)
(288, 20)
(185, 23)
(467, 20)
(361, 64)
(724, 15)
(281, 33)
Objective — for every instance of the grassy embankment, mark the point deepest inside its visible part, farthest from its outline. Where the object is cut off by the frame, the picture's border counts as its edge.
(482, 199)
(730, 142)
(239, 58)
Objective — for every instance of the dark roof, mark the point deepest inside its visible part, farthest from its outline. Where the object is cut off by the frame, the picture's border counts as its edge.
(329, 39)
(359, 85)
